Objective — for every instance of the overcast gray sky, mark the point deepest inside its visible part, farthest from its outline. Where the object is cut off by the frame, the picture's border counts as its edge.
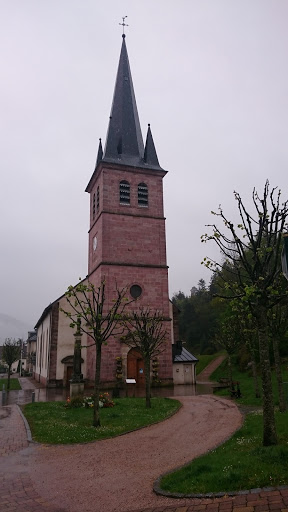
(211, 77)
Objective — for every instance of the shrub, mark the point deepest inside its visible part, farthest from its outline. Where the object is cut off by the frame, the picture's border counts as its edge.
(75, 401)
(88, 401)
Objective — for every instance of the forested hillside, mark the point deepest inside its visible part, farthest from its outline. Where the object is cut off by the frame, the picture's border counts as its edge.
(198, 318)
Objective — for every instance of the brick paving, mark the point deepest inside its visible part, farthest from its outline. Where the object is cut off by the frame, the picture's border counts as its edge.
(17, 493)
(12, 431)
(261, 501)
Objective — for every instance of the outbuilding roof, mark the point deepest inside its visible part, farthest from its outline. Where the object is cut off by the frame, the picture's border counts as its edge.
(182, 355)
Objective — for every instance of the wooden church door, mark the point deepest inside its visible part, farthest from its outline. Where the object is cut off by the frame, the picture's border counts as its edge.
(69, 375)
(135, 367)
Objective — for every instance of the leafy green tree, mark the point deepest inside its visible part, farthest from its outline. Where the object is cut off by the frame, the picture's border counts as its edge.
(201, 287)
(252, 250)
(99, 320)
(144, 331)
(198, 318)
(11, 353)
(179, 297)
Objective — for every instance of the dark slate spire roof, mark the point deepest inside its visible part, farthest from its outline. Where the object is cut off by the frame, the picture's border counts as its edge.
(150, 155)
(124, 143)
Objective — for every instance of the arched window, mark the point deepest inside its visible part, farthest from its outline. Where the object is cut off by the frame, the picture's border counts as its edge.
(142, 194)
(124, 191)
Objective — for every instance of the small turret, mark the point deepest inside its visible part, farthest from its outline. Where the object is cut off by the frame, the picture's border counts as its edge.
(150, 155)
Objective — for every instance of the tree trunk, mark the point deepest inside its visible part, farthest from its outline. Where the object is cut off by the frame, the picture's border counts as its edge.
(230, 371)
(255, 378)
(8, 378)
(269, 427)
(277, 360)
(96, 411)
(147, 382)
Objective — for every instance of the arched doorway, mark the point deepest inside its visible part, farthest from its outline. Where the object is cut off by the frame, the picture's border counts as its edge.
(135, 367)
(68, 369)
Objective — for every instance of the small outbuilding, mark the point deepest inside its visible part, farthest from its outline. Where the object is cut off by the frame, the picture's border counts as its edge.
(184, 365)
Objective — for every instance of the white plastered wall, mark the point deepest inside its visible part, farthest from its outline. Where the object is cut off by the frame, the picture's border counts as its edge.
(66, 340)
(184, 373)
(42, 346)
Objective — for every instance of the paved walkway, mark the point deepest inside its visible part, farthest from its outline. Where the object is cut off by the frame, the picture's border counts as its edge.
(19, 487)
(17, 493)
(210, 368)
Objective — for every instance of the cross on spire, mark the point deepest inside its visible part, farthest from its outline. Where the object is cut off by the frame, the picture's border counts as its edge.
(124, 24)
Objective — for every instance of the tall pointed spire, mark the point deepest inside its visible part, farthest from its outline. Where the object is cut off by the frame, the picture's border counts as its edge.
(124, 138)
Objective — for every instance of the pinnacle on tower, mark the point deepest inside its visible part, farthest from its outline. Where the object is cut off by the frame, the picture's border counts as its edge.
(150, 155)
(99, 154)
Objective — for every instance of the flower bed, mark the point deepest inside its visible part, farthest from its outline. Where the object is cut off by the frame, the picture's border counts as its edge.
(88, 401)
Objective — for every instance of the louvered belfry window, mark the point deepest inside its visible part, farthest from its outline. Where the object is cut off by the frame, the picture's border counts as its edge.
(124, 192)
(93, 206)
(142, 194)
(98, 199)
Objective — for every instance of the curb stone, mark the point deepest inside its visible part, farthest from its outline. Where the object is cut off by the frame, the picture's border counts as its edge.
(26, 424)
(160, 492)
(178, 495)
(31, 440)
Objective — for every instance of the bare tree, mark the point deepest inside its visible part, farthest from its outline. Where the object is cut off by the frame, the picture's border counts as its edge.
(99, 320)
(253, 249)
(145, 332)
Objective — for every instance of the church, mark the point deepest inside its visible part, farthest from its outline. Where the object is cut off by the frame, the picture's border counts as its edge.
(127, 249)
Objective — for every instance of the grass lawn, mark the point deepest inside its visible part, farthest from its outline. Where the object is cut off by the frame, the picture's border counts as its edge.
(246, 384)
(241, 463)
(14, 384)
(51, 422)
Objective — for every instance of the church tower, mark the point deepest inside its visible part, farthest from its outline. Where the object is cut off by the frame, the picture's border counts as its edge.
(127, 245)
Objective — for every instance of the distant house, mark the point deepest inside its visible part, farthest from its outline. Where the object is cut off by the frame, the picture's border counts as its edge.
(23, 359)
(31, 351)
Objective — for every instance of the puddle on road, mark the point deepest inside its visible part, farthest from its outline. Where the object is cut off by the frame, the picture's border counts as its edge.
(51, 395)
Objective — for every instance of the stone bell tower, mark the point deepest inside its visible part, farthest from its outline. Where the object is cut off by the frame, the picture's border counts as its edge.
(127, 245)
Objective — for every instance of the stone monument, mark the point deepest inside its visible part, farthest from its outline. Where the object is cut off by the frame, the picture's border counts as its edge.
(77, 382)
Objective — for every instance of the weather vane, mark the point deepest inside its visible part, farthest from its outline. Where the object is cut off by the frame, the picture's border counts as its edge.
(124, 24)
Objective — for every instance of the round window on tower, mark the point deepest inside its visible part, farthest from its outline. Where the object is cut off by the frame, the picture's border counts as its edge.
(135, 291)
